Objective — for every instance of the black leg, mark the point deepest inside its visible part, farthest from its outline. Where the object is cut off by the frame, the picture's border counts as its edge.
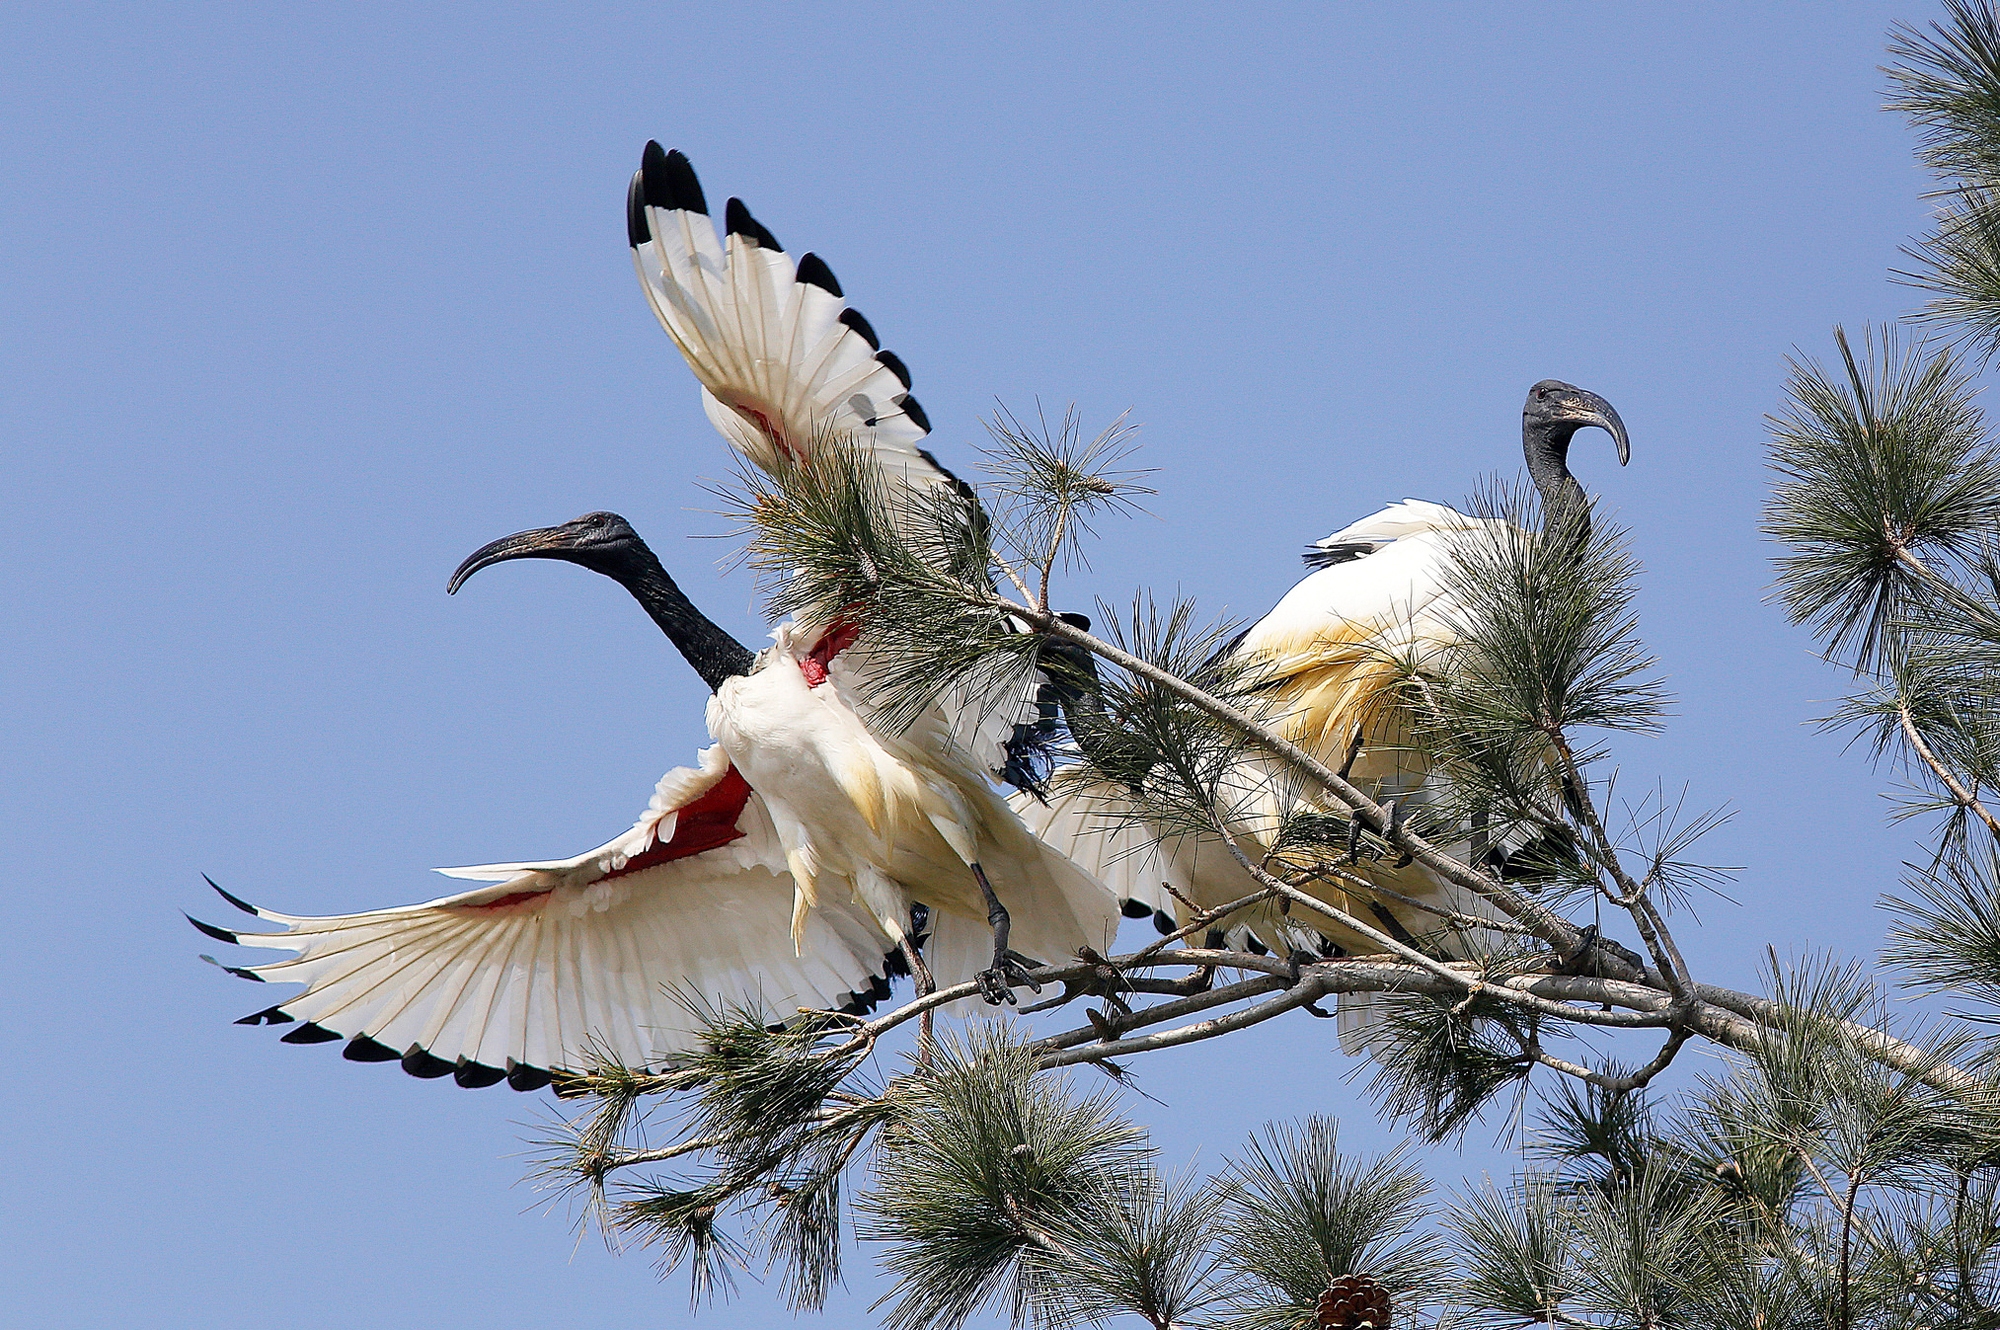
(920, 976)
(996, 984)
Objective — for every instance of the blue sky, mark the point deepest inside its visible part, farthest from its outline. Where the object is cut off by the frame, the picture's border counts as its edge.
(303, 304)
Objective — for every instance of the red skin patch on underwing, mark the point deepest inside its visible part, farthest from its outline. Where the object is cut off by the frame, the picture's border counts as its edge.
(831, 643)
(702, 825)
(506, 902)
(766, 425)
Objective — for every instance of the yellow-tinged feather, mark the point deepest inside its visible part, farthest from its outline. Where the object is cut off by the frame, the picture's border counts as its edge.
(862, 785)
(805, 894)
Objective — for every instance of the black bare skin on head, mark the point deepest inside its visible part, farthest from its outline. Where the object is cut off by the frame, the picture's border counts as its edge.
(606, 543)
(1554, 413)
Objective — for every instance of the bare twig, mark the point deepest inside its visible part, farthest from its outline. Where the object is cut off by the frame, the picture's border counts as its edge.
(1964, 797)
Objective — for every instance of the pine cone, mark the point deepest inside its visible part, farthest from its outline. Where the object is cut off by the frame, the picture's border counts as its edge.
(1354, 1302)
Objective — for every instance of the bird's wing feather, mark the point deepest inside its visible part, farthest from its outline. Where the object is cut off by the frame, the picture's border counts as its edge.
(551, 962)
(1096, 825)
(783, 361)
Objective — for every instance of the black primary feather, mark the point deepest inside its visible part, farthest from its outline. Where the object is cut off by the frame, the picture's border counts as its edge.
(814, 272)
(854, 320)
(740, 223)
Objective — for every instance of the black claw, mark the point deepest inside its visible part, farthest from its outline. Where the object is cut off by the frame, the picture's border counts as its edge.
(472, 1075)
(740, 223)
(524, 1078)
(1163, 923)
(268, 1016)
(219, 934)
(670, 180)
(237, 901)
(814, 272)
(892, 362)
(852, 318)
(363, 1049)
(916, 413)
(425, 1065)
(1133, 908)
(310, 1034)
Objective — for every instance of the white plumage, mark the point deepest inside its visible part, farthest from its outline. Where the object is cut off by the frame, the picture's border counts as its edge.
(614, 952)
(887, 814)
(1322, 664)
(781, 872)
(1322, 658)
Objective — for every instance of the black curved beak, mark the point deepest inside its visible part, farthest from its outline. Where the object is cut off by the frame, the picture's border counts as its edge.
(1587, 408)
(547, 542)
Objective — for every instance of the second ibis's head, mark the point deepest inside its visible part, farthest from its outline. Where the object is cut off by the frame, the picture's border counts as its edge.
(602, 542)
(1557, 410)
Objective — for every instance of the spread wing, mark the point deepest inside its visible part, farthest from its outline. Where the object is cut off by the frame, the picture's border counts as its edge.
(783, 360)
(785, 363)
(614, 950)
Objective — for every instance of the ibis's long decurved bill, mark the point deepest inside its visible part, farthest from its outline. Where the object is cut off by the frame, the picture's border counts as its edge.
(1583, 407)
(572, 541)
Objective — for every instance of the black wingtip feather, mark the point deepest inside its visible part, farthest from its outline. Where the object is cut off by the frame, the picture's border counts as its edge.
(426, 1065)
(476, 1075)
(363, 1049)
(669, 180)
(310, 1034)
(637, 232)
(853, 319)
(236, 970)
(916, 414)
(269, 1016)
(1135, 909)
(237, 901)
(1163, 923)
(524, 1078)
(738, 220)
(219, 934)
(814, 272)
(892, 362)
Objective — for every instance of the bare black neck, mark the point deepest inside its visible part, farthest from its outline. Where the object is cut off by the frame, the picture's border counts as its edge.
(1563, 499)
(715, 655)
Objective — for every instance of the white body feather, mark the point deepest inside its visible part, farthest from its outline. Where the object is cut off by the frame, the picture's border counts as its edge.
(1324, 650)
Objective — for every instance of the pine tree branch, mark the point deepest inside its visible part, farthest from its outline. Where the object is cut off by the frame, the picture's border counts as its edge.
(1472, 985)
(1620, 1084)
(1965, 798)
(1548, 925)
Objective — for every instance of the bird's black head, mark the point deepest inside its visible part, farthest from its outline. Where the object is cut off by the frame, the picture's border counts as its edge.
(602, 542)
(1557, 410)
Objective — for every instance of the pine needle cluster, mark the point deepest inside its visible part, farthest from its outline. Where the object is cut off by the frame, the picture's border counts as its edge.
(1946, 79)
